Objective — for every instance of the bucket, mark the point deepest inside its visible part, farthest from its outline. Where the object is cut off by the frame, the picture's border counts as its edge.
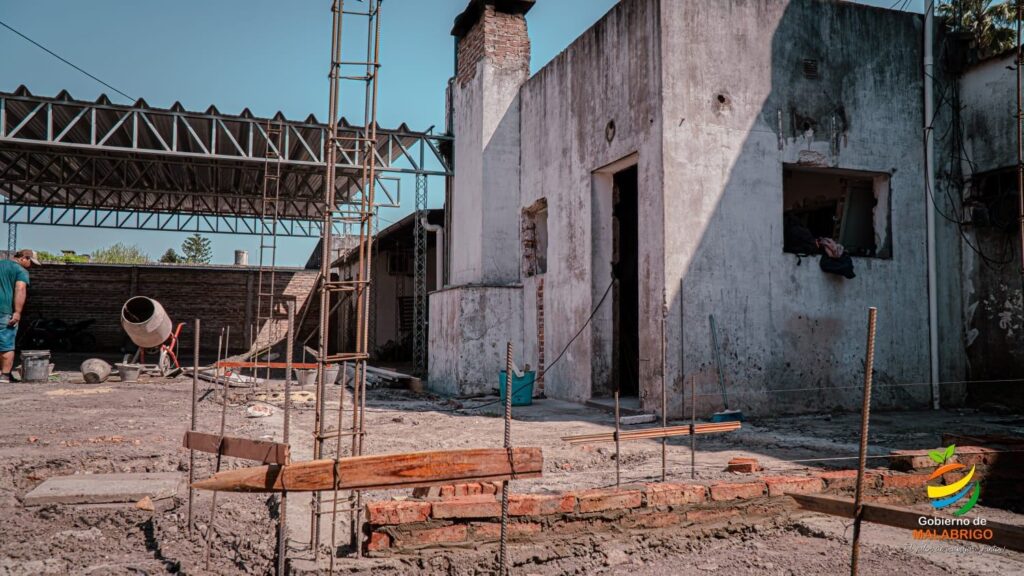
(305, 377)
(331, 373)
(129, 372)
(35, 365)
(522, 388)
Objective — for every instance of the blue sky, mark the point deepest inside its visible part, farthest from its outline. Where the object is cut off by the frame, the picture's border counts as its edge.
(265, 55)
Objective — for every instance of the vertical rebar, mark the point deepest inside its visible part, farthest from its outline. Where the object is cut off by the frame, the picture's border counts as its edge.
(1020, 142)
(192, 427)
(503, 548)
(858, 511)
(693, 427)
(224, 401)
(289, 353)
(664, 388)
(618, 430)
(337, 456)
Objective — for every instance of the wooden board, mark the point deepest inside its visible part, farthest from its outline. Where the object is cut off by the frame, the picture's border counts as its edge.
(281, 365)
(652, 433)
(409, 470)
(258, 450)
(1004, 535)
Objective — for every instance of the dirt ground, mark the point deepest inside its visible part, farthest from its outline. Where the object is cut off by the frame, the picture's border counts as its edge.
(69, 427)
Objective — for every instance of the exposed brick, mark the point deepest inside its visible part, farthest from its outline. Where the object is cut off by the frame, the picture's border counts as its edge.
(540, 504)
(480, 506)
(975, 455)
(910, 460)
(608, 499)
(378, 541)
(428, 536)
(743, 465)
(733, 491)
(664, 494)
(711, 515)
(781, 485)
(388, 512)
(840, 479)
(490, 531)
(892, 480)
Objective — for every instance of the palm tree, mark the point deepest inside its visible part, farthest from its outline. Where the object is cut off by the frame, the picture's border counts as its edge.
(990, 24)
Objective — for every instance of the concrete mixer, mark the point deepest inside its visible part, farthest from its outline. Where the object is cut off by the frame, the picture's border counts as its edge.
(148, 325)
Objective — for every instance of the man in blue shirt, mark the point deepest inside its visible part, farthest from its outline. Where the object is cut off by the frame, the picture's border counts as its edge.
(13, 290)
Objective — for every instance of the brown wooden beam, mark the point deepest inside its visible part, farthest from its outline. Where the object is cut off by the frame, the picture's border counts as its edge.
(1003, 535)
(651, 433)
(258, 450)
(387, 471)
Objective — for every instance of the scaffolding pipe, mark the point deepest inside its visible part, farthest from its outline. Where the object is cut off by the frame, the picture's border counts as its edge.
(929, 152)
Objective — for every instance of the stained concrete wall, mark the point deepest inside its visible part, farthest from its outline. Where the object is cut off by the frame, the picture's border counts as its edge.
(610, 74)
(738, 107)
(993, 305)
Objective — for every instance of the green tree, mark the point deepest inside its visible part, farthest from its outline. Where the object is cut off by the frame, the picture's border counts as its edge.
(990, 24)
(170, 257)
(196, 249)
(121, 253)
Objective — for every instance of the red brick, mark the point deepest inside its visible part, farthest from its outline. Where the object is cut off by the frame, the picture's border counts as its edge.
(443, 535)
(781, 485)
(897, 480)
(664, 494)
(975, 455)
(743, 465)
(540, 504)
(733, 491)
(841, 478)
(911, 460)
(490, 531)
(490, 488)
(378, 541)
(711, 515)
(389, 512)
(448, 491)
(480, 506)
(608, 499)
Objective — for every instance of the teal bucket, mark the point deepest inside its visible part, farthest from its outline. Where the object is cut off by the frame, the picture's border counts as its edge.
(522, 388)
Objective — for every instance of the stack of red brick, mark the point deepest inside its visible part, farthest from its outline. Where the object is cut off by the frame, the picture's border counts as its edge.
(470, 513)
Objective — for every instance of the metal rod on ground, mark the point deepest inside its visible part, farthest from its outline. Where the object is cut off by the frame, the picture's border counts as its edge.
(213, 504)
(869, 362)
(289, 353)
(693, 427)
(664, 388)
(192, 427)
(503, 548)
(618, 445)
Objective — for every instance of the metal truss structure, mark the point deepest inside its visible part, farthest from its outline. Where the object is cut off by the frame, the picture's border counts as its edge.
(78, 163)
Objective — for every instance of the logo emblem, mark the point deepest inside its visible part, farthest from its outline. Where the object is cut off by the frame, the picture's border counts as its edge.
(945, 496)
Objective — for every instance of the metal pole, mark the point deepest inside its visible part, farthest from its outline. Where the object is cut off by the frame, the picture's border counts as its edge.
(224, 401)
(869, 362)
(618, 430)
(503, 549)
(693, 427)
(664, 388)
(282, 527)
(929, 151)
(191, 452)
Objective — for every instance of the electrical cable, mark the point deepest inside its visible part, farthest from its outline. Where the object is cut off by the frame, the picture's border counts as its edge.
(64, 60)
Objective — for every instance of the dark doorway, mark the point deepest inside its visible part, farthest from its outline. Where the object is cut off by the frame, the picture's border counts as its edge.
(625, 266)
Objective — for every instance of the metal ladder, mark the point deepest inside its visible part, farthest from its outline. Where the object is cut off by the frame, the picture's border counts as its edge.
(265, 330)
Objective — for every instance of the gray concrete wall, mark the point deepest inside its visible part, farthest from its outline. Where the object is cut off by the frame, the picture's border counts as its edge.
(469, 329)
(609, 74)
(993, 307)
(784, 324)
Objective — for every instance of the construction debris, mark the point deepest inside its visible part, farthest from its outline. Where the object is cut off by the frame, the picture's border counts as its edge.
(104, 488)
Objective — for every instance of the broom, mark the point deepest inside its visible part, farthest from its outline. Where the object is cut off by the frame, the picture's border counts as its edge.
(726, 415)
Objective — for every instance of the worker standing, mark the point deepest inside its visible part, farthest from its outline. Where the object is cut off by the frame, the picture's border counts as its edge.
(13, 291)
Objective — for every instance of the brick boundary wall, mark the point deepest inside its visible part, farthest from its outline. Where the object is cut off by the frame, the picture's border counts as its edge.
(217, 295)
(468, 514)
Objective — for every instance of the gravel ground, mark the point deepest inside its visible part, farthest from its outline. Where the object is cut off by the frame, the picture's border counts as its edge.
(70, 427)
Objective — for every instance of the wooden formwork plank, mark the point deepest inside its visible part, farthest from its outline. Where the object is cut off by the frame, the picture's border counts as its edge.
(244, 448)
(408, 470)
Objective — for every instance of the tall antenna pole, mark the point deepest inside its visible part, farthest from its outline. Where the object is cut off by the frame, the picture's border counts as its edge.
(1020, 150)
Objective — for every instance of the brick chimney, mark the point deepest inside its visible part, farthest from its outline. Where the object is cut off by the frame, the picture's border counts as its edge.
(493, 61)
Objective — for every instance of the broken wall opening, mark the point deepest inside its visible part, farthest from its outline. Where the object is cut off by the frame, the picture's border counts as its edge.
(849, 206)
(535, 238)
(626, 292)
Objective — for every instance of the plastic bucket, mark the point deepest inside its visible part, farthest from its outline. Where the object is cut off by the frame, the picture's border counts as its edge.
(522, 388)
(35, 365)
(129, 373)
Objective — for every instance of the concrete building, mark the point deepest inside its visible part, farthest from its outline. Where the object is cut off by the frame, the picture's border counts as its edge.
(665, 147)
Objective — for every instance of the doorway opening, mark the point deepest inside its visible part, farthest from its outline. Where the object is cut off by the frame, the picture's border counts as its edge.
(626, 293)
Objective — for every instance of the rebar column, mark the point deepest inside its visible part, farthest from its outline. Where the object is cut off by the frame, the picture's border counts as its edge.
(858, 511)
(503, 548)
(195, 402)
(282, 527)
